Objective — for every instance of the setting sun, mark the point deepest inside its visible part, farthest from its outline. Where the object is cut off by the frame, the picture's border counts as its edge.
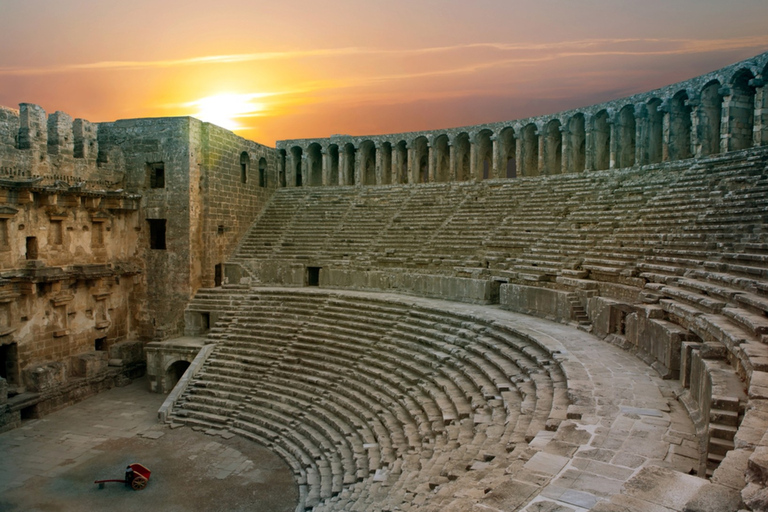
(226, 109)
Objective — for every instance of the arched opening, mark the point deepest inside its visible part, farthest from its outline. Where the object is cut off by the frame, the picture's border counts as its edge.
(349, 164)
(174, 373)
(602, 140)
(401, 162)
(421, 157)
(368, 162)
(315, 165)
(442, 159)
(296, 155)
(679, 127)
(462, 156)
(655, 131)
(333, 155)
(710, 116)
(507, 152)
(553, 148)
(262, 172)
(530, 150)
(484, 147)
(625, 151)
(386, 163)
(578, 143)
(245, 162)
(741, 111)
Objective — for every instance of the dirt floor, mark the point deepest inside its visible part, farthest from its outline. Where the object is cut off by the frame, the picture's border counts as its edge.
(191, 471)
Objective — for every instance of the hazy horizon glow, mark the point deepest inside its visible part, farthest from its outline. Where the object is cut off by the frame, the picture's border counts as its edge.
(291, 70)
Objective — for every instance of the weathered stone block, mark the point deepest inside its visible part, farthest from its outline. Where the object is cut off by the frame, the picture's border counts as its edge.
(128, 351)
(89, 364)
(44, 377)
(542, 302)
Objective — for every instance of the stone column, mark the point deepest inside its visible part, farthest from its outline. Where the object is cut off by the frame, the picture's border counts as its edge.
(452, 174)
(472, 161)
(565, 149)
(726, 123)
(519, 154)
(542, 163)
(359, 162)
(495, 170)
(613, 145)
(378, 165)
(325, 159)
(431, 156)
(666, 130)
(412, 170)
(589, 143)
(697, 130)
(761, 112)
(642, 135)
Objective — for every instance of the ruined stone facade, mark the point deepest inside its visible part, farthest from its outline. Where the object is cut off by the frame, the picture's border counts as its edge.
(641, 221)
(106, 231)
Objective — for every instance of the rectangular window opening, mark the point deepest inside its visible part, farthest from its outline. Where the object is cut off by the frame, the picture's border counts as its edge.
(157, 233)
(313, 276)
(31, 248)
(5, 242)
(100, 344)
(57, 232)
(156, 173)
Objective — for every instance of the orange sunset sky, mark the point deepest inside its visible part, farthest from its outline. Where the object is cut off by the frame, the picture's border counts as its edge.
(297, 69)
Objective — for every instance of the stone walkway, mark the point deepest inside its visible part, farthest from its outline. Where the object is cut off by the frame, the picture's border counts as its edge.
(51, 463)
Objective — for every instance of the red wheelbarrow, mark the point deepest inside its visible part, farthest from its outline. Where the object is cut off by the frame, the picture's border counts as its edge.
(136, 476)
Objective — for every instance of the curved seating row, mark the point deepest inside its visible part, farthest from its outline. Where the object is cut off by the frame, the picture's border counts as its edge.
(369, 400)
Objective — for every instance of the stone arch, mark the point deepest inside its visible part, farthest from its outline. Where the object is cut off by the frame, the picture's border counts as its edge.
(173, 373)
(386, 163)
(761, 122)
(245, 163)
(348, 164)
(262, 172)
(679, 127)
(530, 150)
(484, 155)
(296, 157)
(461, 143)
(601, 138)
(401, 162)
(420, 160)
(578, 143)
(741, 110)
(553, 148)
(507, 148)
(442, 158)
(367, 163)
(315, 165)
(281, 179)
(333, 157)
(709, 119)
(655, 130)
(625, 145)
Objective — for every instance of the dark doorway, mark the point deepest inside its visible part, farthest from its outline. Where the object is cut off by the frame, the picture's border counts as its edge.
(100, 344)
(174, 373)
(217, 275)
(313, 276)
(205, 322)
(496, 291)
(8, 363)
(31, 247)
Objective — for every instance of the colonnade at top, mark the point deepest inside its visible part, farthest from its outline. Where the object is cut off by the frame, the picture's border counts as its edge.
(723, 111)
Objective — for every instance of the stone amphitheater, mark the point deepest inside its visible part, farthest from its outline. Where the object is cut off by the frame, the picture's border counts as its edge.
(562, 313)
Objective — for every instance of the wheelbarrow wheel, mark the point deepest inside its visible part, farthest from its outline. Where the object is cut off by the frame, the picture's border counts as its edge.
(138, 483)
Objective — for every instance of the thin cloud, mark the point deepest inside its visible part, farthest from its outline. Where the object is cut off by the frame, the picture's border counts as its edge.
(585, 47)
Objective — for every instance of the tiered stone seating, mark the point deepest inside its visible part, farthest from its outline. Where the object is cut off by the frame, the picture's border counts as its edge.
(370, 398)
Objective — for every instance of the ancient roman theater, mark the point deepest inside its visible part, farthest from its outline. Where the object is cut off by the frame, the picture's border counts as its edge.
(561, 313)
